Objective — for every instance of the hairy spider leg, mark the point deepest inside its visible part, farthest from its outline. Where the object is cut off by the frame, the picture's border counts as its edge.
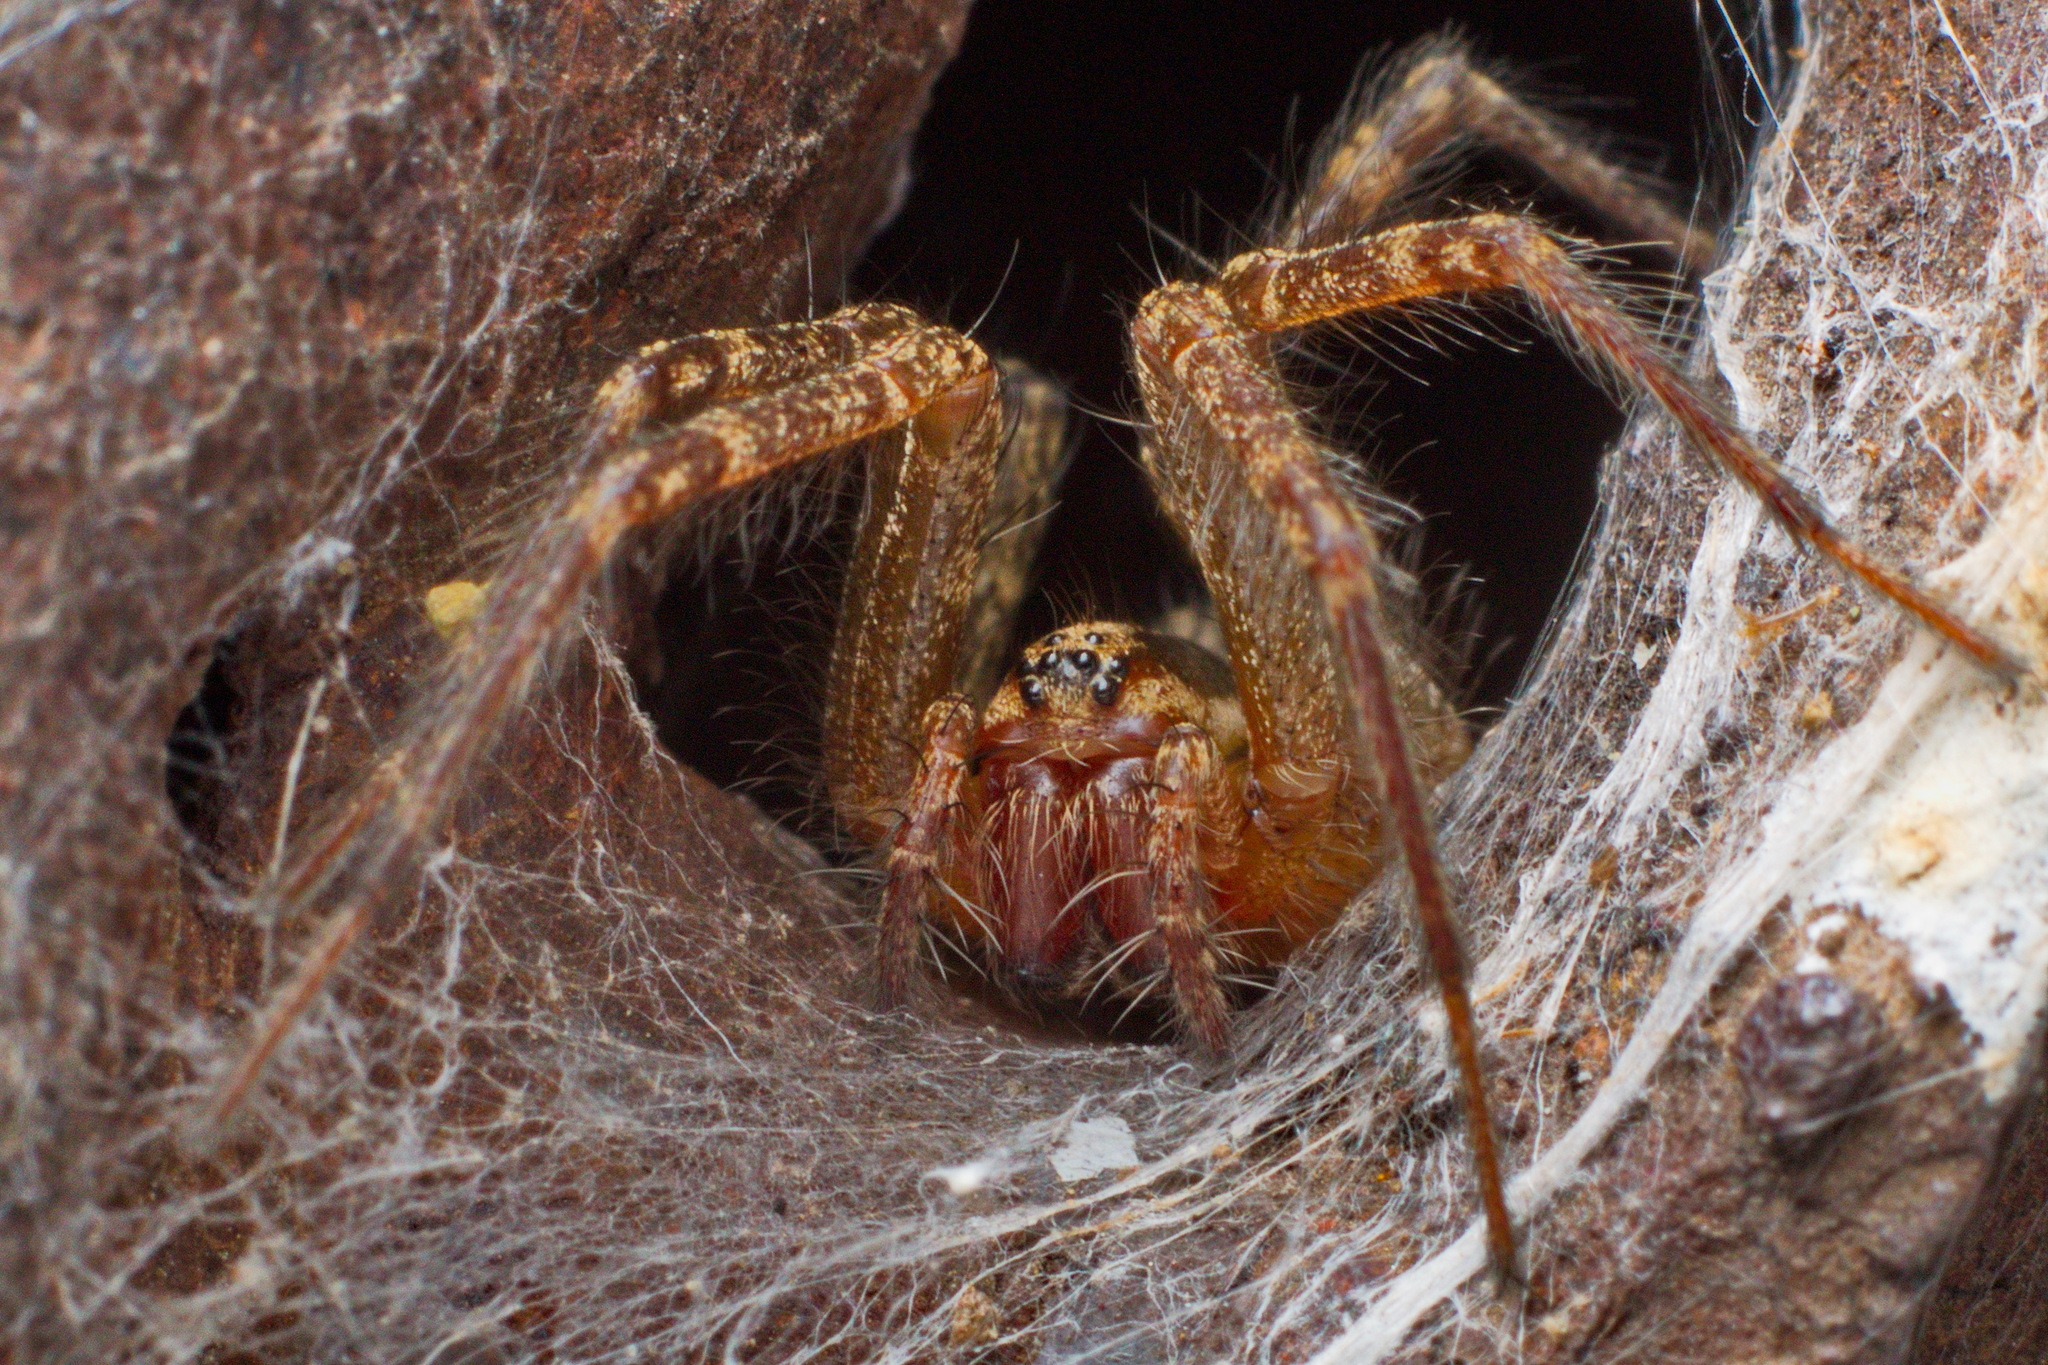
(1198, 364)
(1439, 96)
(955, 511)
(1203, 357)
(1034, 457)
(924, 845)
(907, 597)
(1273, 291)
(744, 404)
(1185, 772)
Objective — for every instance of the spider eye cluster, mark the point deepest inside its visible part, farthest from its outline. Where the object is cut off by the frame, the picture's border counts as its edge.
(1057, 662)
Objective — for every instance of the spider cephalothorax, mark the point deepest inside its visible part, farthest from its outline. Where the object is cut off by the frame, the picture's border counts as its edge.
(1127, 808)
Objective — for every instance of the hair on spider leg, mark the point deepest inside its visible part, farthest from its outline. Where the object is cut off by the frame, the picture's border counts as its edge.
(731, 652)
(977, 913)
(1104, 971)
(1440, 324)
(937, 948)
(1416, 121)
(1141, 993)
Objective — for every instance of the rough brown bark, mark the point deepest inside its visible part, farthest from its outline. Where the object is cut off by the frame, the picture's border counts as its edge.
(302, 305)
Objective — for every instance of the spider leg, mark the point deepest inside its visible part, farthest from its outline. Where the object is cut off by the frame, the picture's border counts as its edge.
(1208, 380)
(921, 850)
(1439, 97)
(744, 404)
(1204, 362)
(1183, 771)
(1270, 291)
(908, 592)
(1027, 482)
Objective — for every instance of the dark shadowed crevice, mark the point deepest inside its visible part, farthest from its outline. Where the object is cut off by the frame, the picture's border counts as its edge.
(733, 664)
(197, 775)
(1065, 163)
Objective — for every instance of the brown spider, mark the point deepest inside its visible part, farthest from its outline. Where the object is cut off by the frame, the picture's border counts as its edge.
(1125, 806)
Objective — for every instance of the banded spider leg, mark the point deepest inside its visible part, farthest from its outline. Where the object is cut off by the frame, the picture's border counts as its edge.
(682, 422)
(1236, 466)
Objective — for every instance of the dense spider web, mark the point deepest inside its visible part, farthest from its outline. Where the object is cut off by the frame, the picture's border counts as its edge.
(606, 1090)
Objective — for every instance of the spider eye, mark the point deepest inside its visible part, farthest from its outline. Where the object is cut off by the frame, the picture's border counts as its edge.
(1083, 659)
(1033, 692)
(1104, 690)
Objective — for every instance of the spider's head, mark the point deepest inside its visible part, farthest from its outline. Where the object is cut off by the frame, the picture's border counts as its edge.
(1079, 671)
(1103, 688)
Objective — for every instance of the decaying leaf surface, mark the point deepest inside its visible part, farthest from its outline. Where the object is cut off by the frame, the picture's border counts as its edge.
(302, 307)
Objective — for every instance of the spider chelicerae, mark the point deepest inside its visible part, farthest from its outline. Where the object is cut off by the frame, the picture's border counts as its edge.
(1122, 808)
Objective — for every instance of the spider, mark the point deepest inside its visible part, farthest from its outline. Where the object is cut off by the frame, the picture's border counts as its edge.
(1123, 806)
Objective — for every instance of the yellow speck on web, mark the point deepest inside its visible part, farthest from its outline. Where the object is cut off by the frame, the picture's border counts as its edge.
(452, 606)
